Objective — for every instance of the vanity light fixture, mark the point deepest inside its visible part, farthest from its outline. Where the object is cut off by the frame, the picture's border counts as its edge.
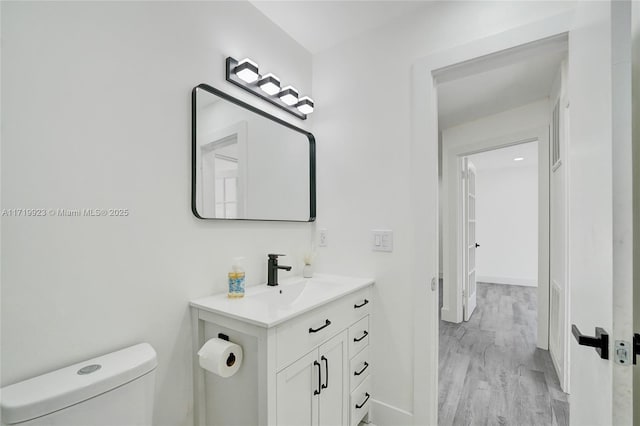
(305, 105)
(289, 95)
(270, 84)
(247, 70)
(245, 74)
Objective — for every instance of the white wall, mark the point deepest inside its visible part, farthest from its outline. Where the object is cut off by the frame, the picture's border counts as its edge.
(507, 225)
(362, 123)
(96, 113)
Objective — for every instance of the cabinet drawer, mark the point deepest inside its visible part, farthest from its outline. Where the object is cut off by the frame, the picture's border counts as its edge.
(359, 304)
(358, 336)
(300, 335)
(360, 400)
(359, 368)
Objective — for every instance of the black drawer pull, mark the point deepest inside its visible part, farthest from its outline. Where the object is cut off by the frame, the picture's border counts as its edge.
(357, 373)
(327, 323)
(357, 339)
(359, 406)
(361, 305)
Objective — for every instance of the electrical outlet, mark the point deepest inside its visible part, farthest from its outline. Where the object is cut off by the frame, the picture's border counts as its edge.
(382, 240)
(323, 238)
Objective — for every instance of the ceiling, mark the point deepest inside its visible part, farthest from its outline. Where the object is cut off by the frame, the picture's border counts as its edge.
(497, 83)
(467, 92)
(503, 158)
(319, 25)
(500, 88)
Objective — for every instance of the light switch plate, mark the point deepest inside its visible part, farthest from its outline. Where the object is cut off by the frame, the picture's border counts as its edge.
(382, 240)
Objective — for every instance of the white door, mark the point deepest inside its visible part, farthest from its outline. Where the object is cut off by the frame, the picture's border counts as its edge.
(333, 393)
(298, 387)
(470, 239)
(600, 207)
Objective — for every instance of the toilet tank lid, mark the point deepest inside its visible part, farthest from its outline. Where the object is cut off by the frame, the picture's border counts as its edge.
(70, 385)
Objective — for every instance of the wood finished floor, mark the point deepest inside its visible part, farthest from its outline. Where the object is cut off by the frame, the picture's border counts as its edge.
(491, 372)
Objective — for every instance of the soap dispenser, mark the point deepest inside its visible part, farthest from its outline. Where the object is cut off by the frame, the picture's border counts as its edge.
(236, 279)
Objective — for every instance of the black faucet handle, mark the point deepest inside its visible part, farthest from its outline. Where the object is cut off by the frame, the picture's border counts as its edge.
(275, 256)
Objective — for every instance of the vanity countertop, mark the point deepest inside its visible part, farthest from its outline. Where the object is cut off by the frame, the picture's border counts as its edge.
(266, 306)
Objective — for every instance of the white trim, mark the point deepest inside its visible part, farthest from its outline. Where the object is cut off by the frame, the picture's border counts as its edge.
(386, 414)
(453, 262)
(525, 282)
(424, 183)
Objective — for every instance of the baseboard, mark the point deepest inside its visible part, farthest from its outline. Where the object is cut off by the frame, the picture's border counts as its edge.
(383, 414)
(526, 282)
(447, 315)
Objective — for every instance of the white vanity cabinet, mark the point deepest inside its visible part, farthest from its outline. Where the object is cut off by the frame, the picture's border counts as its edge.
(313, 390)
(304, 364)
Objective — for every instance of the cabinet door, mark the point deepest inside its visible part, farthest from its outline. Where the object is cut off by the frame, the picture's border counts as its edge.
(334, 362)
(296, 404)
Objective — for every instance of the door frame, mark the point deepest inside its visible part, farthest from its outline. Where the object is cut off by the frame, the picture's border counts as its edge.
(452, 172)
(424, 181)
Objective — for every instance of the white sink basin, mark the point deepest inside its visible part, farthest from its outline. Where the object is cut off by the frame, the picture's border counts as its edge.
(269, 306)
(292, 292)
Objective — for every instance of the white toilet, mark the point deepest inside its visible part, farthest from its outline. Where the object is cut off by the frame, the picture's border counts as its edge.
(116, 389)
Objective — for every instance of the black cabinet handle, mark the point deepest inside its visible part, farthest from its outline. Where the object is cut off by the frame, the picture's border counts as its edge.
(359, 406)
(361, 305)
(477, 245)
(365, 334)
(600, 341)
(317, 391)
(327, 323)
(357, 373)
(326, 371)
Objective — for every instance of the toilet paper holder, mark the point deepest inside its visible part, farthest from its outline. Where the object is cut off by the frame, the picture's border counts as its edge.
(223, 336)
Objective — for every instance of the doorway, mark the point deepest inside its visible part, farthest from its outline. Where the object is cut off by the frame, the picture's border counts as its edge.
(495, 311)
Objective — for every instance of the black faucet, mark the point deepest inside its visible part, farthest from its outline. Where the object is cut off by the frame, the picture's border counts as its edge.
(272, 269)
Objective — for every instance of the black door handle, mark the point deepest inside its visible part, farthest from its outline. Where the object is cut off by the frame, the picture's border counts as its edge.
(326, 371)
(359, 406)
(477, 245)
(327, 323)
(317, 391)
(600, 341)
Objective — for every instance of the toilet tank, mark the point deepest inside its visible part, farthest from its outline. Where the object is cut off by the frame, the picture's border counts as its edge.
(116, 389)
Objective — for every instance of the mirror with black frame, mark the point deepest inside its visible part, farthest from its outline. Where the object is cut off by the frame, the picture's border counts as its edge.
(248, 164)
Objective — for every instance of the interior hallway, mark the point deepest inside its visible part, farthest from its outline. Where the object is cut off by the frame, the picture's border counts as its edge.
(490, 370)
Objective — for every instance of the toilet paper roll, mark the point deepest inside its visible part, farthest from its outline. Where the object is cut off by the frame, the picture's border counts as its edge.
(220, 357)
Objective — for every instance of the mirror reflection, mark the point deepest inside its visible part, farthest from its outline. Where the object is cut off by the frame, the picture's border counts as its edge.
(248, 164)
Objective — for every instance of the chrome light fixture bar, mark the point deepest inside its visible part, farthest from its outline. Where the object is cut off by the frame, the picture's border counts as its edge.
(245, 74)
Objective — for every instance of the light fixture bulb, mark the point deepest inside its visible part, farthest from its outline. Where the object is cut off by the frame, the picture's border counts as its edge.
(247, 70)
(305, 105)
(518, 159)
(289, 95)
(269, 84)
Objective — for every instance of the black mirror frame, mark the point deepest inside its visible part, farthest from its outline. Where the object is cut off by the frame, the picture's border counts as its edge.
(312, 152)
